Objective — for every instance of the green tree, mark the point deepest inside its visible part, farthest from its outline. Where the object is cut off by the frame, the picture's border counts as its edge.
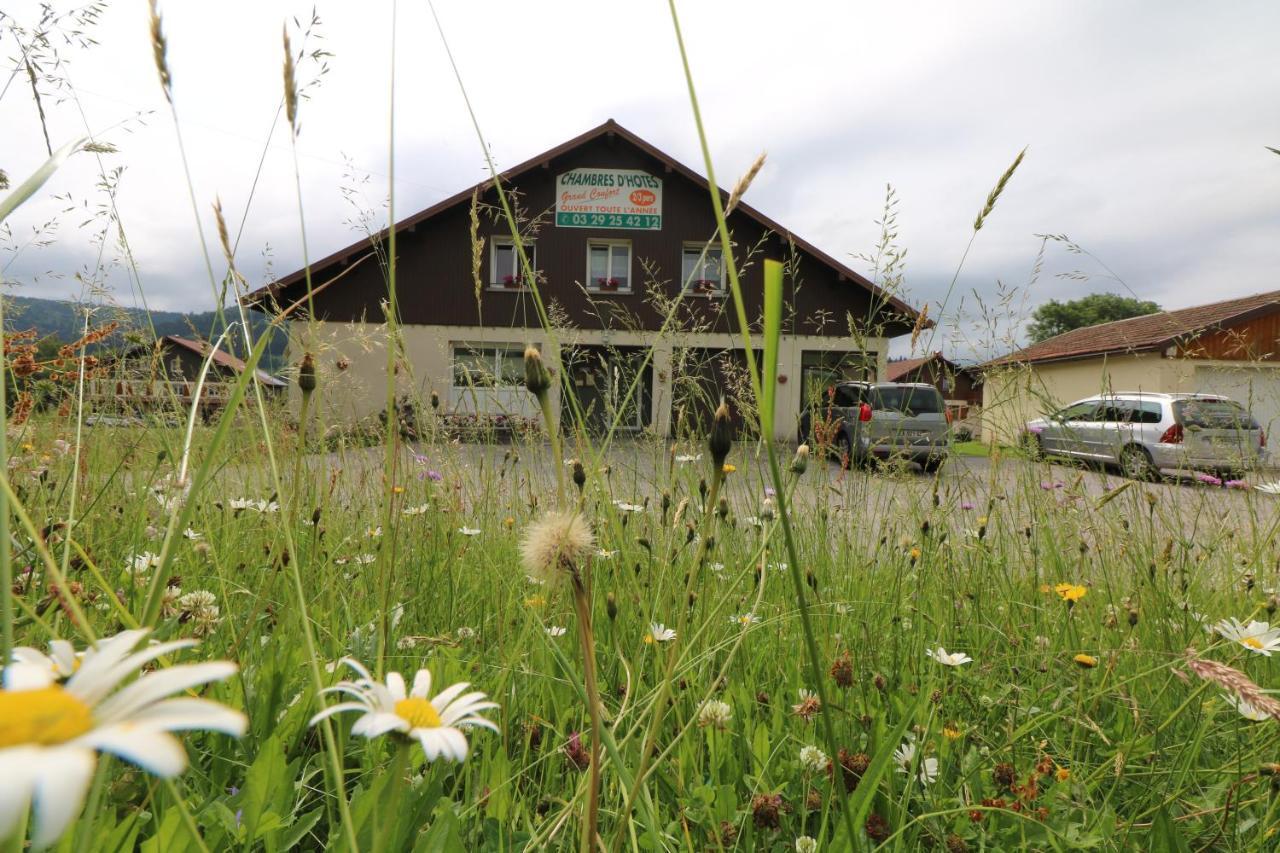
(1054, 317)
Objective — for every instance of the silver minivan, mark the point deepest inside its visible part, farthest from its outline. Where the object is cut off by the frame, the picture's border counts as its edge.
(883, 420)
(1144, 433)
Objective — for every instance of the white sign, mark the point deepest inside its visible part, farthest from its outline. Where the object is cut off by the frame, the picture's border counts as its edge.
(609, 198)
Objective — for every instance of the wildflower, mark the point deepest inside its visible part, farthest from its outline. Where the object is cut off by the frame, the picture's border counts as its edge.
(720, 439)
(192, 534)
(1062, 774)
(715, 713)
(555, 631)
(808, 707)
(420, 509)
(806, 844)
(373, 532)
(905, 756)
(466, 633)
(744, 620)
(765, 810)
(556, 544)
(728, 468)
(144, 562)
(1071, 593)
(685, 458)
(842, 670)
(1209, 479)
(51, 732)
(877, 828)
(437, 724)
(948, 659)
(952, 732)
(852, 766)
(1257, 637)
(239, 504)
(1246, 709)
(813, 759)
(800, 462)
(535, 601)
(1085, 661)
(509, 522)
(914, 554)
(966, 505)
(577, 754)
(169, 601)
(659, 633)
(602, 554)
(200, 608)
(624, 506)
(469, 531)
(407, 642)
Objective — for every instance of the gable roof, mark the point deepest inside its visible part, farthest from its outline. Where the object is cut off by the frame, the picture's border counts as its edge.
(895, 370)
(1142, 334)
(221, 357)
(610, 127)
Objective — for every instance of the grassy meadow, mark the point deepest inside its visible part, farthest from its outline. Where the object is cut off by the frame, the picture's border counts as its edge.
(710, 644)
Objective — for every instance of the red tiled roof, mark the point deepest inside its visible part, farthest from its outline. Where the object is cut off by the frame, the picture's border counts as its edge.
(1140, 334)
(895, 370)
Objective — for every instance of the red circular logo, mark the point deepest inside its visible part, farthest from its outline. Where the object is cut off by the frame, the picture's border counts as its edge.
(643, 198)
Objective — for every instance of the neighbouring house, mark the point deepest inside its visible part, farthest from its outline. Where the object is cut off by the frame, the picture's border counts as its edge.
(1230, 347)
(166, 371)
(619, 241)
(960, 387)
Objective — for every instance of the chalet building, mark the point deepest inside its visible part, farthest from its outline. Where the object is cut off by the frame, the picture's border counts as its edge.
(166, 371)
(959, 386)
(1230, 347)
(619, 236)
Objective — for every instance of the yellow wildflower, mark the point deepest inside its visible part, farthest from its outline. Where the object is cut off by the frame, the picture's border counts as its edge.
(1071, 593)
(1086, 661)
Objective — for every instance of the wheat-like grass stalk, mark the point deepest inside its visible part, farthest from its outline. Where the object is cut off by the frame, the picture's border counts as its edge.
(290, 83)
(160, 49)
(994, 195)
(1233, 681)
(744, 183)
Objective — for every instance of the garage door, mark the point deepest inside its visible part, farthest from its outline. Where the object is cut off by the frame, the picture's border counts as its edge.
(1256, 388)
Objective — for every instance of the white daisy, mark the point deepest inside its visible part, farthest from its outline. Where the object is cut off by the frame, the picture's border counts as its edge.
(469, 531)
(744, 620)
(373, 532)
(436, 723)
(623, 506)
(685, 458)
(948, 659)
(420, 509)
(1258, 637)
(51, 732)
(905, 756)
(191, 534)
(1246, 709)
(555, 631)
(605, 555)
(239, 504)
(659, 633)
(144, 562)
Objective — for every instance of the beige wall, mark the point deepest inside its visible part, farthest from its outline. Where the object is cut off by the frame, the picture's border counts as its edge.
(1013, 396)
(361, 389)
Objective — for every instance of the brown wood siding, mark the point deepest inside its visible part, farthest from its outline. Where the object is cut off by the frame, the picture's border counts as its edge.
(436, 287)
(1255, 339)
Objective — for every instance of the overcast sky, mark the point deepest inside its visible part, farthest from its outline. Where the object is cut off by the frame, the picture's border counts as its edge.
(1146, 125)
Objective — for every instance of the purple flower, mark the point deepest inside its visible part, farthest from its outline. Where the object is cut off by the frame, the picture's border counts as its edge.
(769, 491)
(1209, 479)
(435, 476)
(966, 505)
(1048, 487)
(1236, 484)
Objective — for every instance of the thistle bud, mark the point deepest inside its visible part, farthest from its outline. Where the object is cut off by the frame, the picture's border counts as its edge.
(702, 489)
(307, 373)
(722, 508)
(611, 606)
(536, 377)
(800, 462)
(767, 510)
(579, 475)
(666, 502)
(720, 441)
(435, 400)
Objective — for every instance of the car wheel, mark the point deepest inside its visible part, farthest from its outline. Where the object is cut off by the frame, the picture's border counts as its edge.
(1136, 462)
(932, 464)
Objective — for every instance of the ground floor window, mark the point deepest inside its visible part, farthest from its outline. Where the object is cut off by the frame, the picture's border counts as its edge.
(612, 387)
(488, 366)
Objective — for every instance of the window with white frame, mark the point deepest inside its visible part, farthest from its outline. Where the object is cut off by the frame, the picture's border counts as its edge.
(504, 262)
(488, 366)
(702, 268)
(609, 266)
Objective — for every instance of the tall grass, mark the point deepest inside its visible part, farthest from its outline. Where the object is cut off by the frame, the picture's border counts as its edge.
(806, 692)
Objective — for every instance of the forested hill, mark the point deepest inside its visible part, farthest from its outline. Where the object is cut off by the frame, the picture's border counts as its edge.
(65, 321)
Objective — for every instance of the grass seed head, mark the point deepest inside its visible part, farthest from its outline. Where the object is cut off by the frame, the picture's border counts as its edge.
(160, 49)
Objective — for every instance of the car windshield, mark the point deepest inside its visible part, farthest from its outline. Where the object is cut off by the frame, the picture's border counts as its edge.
(1213, 414)
(908, 400)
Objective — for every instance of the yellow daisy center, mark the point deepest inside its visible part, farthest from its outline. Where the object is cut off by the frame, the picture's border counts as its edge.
(46, 716)
(1252, 642)
(418, 713)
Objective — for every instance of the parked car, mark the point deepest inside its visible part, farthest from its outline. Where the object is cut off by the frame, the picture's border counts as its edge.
(882, 420)
(1144, 433)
